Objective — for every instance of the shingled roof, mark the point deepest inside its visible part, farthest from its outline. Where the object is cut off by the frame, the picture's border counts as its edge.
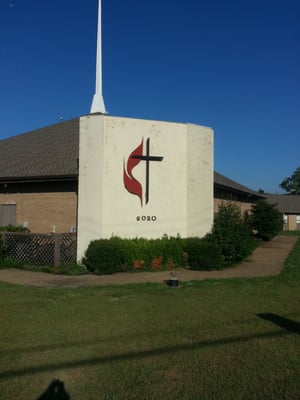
(286, 203)
(225, 183)
(52, 153)
(45, 153)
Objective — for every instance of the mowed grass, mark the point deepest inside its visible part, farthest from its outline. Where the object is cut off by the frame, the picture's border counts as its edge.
(219, 339)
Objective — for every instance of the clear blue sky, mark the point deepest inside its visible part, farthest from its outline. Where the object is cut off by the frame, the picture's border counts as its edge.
(233, 65)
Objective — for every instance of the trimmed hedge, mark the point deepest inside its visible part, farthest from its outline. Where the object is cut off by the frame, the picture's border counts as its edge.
(203, 255)
(151, 253)
(107, 256)
(104, 256)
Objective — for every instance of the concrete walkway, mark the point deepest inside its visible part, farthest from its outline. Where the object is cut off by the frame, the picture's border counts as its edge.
(266, 260)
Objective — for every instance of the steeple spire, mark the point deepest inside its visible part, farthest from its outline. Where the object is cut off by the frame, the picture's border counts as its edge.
(98, 102)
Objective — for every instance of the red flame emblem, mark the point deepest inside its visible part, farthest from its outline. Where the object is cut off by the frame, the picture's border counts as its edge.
(132, 185)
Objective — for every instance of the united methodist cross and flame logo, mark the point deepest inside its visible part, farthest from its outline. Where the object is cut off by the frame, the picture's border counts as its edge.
(131, 183)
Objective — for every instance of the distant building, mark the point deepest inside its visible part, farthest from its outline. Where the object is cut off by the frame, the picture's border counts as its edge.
(227, 190)
(289, 205)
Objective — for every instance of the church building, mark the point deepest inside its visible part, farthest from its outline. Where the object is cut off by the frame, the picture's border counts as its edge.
(100, 175)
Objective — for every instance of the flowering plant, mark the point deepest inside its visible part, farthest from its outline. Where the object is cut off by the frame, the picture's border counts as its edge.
(138, 264)
(156, 263)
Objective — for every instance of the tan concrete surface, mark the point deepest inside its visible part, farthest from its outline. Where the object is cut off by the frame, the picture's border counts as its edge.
(266, 260)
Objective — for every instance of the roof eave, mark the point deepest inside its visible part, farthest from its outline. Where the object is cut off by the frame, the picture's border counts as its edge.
(27, 179)
(240, 192)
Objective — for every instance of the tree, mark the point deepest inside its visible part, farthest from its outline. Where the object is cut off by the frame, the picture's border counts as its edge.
(231, 234)
(266, 220)
(292, 184)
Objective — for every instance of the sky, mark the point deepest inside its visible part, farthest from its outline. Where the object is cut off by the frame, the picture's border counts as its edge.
(232, 65)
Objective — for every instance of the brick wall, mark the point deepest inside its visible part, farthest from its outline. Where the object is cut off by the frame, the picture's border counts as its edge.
(242, 205)
(43, 211)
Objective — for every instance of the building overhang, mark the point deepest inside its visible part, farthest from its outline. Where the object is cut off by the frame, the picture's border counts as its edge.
(38, 179)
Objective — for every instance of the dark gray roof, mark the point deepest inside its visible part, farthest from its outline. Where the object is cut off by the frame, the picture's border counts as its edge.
(225, 183)
(49, 152)
(53, 152)
(286, 203)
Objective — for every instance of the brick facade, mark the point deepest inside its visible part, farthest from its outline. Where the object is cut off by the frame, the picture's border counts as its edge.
(43, 207)
(244, 206)
(44, 212)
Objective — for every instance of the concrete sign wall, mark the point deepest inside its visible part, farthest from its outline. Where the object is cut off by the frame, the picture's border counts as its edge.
(141, 178)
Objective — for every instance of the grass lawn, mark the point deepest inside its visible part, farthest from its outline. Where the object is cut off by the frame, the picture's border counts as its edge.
(220, 339)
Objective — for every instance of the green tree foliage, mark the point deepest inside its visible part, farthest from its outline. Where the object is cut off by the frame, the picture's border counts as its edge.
(231, 233)
(292, 184)
(266, 220)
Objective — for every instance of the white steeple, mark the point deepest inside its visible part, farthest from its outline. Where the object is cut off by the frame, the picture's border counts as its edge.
(98, 102)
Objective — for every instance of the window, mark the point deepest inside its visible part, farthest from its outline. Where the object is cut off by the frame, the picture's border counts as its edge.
(8, 214)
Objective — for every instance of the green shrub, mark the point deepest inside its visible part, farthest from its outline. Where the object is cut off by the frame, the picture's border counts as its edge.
(13, 228)
(10, 263)
(172, 251)
(266, 220)
(231, 233)
(139, 254)
(104, 256)
(9, 228)
(3, 249)
(143, 254)
(202, 255)
(68, 269)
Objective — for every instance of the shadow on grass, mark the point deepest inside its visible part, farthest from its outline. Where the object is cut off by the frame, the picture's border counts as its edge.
(55, 391)
(288, 324)
(138, 354)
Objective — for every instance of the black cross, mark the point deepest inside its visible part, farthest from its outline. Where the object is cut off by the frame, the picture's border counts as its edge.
(148, 158)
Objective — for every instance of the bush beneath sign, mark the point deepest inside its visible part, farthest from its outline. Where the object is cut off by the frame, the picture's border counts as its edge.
(229, 242)
(104, 256)
(107, 256)
(203, 255)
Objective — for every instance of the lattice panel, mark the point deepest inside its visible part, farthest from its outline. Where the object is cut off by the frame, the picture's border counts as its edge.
(68, 248)
(41, 249)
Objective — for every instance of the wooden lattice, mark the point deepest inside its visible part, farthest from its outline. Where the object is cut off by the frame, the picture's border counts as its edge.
(41, 249)
(68, 248)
